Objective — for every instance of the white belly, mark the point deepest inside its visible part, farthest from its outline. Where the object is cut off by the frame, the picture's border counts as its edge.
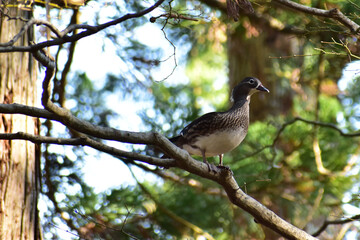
(216, 144)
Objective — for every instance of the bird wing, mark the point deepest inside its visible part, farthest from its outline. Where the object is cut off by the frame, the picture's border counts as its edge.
(206, 124)
(201, 125)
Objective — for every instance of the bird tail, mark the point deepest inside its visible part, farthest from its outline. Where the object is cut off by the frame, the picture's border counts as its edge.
(175, 140)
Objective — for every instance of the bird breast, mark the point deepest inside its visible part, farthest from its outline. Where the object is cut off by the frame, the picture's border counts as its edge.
(217, 143)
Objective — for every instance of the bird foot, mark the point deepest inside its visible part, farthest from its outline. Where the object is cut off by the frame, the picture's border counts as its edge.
(225, 168)
(212, 168)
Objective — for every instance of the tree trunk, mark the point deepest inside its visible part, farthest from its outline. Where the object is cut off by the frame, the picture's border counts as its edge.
(18, 161)
(249, 49)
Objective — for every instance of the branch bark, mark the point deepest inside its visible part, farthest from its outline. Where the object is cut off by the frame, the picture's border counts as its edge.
(334, 13)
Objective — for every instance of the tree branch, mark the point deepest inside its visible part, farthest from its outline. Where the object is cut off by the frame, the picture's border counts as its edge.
(183, 160)
(85, 141)
(190, 182)
(286, 124)
(62, 36)
(15, 108)
(328, 125)
(86, 127)
(334, 13)
(316, 123)
(61, 83)
(328, 222)
(258, 18)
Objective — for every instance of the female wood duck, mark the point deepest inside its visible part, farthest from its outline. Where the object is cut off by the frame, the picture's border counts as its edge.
(216, 133)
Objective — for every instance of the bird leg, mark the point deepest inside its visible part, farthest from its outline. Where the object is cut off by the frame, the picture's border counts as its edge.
(221, 159)
(212, 167)
(221, 163)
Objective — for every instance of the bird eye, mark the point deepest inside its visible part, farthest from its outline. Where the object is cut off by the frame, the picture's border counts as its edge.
(251, 81)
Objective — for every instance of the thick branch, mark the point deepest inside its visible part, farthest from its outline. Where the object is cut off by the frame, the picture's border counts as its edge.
(15, 108)
(182, 160)
(94, 130)
(332, 13)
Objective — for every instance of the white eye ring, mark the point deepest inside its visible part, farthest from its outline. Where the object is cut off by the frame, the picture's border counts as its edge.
(251, 81)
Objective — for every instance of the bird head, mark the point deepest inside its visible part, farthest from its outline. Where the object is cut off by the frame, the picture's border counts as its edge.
(246, 88)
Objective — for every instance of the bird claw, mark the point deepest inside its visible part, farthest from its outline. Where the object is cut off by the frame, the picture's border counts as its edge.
(212, 168)
(216, 169)
(227, 168)
(224, 167)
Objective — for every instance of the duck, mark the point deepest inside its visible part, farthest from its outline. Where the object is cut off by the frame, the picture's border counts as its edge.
(216, 133)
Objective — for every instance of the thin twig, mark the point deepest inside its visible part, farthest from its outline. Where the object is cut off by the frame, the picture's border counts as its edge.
(170, 175)
(62, 38)
(70, 57)
(328, 125)
(342, 44)
(171, 43)
(85, 141)
(329, 222)
(90, 219)
(173, 16)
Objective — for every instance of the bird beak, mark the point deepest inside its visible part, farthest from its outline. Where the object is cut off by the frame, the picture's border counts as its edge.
(262, 88)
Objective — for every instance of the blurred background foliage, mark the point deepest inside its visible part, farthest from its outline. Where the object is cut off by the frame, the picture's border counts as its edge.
(304, 172)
